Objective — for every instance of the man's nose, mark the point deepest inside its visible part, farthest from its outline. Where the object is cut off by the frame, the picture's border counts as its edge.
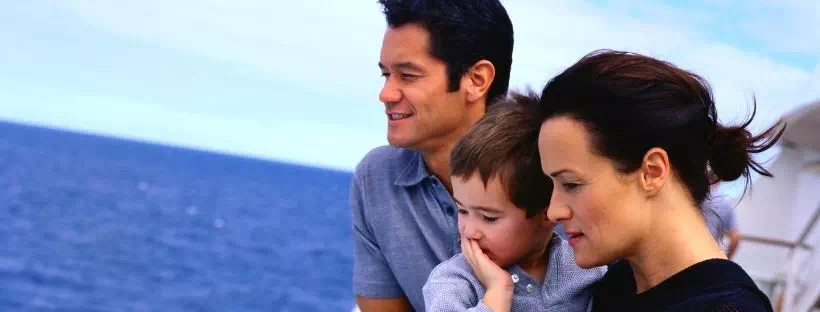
(390, 93)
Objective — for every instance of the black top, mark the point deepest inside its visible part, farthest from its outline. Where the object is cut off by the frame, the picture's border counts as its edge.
(712, 285)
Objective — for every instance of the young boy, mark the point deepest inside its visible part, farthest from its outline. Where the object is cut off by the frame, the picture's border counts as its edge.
(502, 197)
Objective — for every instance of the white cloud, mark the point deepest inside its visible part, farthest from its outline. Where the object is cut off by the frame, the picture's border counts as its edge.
(308, 42)
(332, 47)
(778, 26)
(552, 36)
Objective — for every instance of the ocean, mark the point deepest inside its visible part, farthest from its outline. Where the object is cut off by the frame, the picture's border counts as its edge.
(91, 223)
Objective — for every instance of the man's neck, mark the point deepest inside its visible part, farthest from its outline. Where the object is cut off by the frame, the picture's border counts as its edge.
(677, 240)
(438, 164)
(437, 157)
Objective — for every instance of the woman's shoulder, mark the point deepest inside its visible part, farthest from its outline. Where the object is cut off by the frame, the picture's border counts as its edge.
(711, 285)
(727, 287)
(740, 299)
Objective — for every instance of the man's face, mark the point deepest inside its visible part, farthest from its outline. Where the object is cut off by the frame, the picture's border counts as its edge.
(420, 112)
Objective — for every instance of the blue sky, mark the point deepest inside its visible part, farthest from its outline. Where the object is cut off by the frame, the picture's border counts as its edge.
(297, 81)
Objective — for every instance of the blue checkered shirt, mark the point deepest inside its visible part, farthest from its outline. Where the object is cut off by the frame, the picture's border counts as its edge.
(452, 286)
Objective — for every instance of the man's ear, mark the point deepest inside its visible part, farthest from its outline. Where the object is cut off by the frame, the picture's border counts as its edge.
(477, 80)
(655, 171)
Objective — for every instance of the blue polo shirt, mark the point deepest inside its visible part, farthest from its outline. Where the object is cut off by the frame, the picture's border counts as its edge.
(404, 225)
(720, 215)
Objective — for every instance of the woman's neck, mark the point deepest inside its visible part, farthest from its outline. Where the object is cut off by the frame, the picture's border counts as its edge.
(678, 239)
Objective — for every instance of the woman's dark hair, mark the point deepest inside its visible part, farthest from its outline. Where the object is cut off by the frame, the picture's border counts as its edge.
(631, 103)
(461, 34)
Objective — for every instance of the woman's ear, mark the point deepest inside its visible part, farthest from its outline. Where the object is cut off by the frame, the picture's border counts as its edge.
(655, 170)
(478, 79)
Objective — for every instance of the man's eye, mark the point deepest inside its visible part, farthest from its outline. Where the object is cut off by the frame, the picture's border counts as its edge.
(409, 77)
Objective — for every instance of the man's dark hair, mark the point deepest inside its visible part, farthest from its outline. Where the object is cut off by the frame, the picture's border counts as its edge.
(462, 32)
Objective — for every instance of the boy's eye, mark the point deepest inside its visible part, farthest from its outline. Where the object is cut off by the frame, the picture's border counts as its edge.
(462, 211)
(490, 219)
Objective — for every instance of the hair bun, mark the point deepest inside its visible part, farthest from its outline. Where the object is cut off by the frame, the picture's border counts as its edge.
(729, 157)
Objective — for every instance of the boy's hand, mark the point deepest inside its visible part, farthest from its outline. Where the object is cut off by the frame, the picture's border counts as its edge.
(497, 281)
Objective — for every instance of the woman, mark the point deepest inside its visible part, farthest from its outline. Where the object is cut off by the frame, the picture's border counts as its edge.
(628, 141)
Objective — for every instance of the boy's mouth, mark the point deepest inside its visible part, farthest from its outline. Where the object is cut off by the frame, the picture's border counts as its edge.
(487, 252)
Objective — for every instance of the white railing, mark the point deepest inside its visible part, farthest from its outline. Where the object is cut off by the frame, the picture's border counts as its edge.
(802, 285)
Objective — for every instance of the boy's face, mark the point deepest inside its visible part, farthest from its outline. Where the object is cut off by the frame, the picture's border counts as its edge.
(501, 229)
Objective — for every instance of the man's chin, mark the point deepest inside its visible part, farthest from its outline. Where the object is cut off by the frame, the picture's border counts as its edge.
(401, 142)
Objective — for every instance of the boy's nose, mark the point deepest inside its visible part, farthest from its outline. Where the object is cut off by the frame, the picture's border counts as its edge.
(472, 232)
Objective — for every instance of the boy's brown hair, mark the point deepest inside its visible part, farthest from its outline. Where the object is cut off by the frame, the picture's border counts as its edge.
(504, 144)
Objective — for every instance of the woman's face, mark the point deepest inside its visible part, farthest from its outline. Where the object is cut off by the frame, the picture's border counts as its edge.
(603, 211)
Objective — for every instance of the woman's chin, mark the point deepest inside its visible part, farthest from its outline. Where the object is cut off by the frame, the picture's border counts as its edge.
(587, 260)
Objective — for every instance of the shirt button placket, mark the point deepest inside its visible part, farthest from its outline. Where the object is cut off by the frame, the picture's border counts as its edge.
(449, 211)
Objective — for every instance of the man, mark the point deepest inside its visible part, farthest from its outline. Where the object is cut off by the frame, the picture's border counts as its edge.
(720, 217)
(443, 62)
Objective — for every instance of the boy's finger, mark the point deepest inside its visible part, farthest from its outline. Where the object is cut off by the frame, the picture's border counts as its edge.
(467, 251)
(480, 256)
(476, 249)
(477, 253)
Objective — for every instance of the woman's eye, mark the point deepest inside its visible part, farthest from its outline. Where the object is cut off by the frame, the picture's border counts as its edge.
(570, 186)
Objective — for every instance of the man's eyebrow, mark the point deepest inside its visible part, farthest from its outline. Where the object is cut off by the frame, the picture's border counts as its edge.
(409, 65)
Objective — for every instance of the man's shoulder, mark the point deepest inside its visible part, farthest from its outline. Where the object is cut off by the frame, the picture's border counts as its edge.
(720, 202)
(376, 176)
(385, 157)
